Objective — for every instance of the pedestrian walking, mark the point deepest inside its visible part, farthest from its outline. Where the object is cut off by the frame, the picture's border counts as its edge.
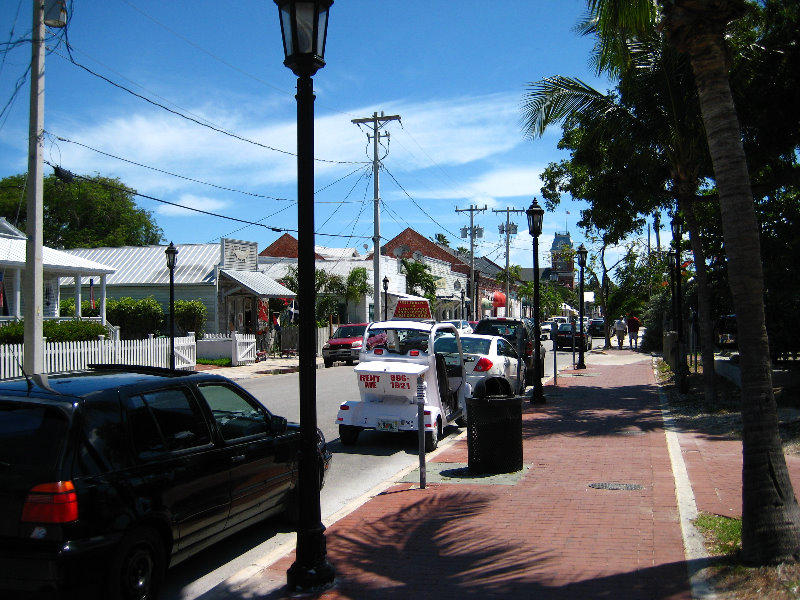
(633, 332)
(620, 328)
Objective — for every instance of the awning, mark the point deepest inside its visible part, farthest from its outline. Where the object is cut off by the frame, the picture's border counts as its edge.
(258, 283)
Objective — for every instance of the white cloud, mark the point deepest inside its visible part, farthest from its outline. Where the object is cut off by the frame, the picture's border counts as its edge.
(192, 201)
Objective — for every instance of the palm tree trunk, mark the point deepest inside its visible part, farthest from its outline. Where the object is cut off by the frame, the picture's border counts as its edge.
(703, 304)
(770, 513)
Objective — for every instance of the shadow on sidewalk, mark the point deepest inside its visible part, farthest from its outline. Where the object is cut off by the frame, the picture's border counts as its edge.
(451, 545)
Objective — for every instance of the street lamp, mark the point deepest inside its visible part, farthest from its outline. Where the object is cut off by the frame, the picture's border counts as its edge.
(172, 262)
(462, 303)
(304, 29)
(385, 298)
(582, 253)
(535, 215)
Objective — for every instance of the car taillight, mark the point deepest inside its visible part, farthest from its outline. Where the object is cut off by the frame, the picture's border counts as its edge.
(529, 348)
(55, 502)
(484, 364)
(378, 350)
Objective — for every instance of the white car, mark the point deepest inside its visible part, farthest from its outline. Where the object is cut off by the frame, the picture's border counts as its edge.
(462, 326)
(492, 357)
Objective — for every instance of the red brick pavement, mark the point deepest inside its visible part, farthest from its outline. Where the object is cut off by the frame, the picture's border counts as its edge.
(549, 536)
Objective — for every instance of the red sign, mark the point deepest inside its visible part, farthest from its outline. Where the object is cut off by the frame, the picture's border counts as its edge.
(412, 309)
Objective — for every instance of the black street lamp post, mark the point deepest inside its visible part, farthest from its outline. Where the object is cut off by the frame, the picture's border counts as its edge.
(462, 303)
(535, 215)
(385, 298)
(172, 262)
(671, 262)
(582, 253)
(304, 27)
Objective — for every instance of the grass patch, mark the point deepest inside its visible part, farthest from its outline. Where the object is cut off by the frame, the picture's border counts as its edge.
(723, 535)
(217, 362)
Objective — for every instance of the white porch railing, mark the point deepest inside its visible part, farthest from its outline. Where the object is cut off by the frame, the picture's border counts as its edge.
(60, 357)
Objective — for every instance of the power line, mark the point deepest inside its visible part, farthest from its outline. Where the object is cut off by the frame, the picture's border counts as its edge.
(189, 118)
(64, 173)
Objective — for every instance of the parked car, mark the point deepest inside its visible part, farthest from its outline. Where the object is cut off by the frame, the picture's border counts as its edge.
(344, 344)
(491, 357)
(111, 475)
(461, 325)
(564, 337)
(520, 333)
(597, 327)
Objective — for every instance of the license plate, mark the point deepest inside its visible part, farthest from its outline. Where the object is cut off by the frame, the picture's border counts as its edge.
(387, 425)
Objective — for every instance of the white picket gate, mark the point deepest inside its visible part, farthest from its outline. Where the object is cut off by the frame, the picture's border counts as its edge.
(60, 357)
(243, 351)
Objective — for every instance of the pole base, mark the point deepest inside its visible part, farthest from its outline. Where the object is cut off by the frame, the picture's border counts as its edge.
(537, 397)
(308, 578)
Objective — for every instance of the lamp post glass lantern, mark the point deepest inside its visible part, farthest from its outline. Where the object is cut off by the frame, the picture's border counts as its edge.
(535, 214)
(172, 262)
(385, 298)
(304, 30)
(582, 253)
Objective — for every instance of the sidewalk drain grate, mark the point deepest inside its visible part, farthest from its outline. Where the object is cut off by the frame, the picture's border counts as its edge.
(605, 485)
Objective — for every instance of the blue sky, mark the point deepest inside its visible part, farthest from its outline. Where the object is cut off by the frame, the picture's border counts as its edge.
(456, 73)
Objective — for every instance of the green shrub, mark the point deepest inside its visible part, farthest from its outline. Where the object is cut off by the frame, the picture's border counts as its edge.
(54, 331)
(190, 315)
(136, 318)
(66, 308)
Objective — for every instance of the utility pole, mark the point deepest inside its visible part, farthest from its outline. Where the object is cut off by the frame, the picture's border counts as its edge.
(508, 229)
(377, 122)
(51, 14)
(473, 295)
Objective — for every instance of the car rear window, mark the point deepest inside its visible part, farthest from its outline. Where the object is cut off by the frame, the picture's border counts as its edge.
(31, 435)
(475, 345)
(497, 328)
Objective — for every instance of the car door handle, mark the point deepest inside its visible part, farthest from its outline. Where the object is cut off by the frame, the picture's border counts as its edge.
(238, 458)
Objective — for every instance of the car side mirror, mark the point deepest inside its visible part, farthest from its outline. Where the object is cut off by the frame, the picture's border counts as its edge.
(278, 424)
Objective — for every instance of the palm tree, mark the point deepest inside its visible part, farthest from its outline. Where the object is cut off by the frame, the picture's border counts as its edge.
(655, 119)
(697, 28)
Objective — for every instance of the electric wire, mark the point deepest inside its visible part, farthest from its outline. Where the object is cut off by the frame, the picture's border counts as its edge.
(197, 210)
(187, 117)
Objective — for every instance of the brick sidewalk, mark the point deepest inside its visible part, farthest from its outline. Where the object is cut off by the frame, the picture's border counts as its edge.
(558, 529)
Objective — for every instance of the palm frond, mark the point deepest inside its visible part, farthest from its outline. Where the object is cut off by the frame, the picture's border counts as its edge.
(554, 99)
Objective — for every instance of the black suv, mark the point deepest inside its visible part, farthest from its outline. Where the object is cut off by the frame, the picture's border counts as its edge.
(521, 333)
(109, 476)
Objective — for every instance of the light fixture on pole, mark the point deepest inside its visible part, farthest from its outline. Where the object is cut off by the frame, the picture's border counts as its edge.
(582, 253)
(385, 298)
(304, 29)
(535, 215)
(172, 262)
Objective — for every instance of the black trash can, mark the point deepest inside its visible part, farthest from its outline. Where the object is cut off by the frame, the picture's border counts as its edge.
(494, 434)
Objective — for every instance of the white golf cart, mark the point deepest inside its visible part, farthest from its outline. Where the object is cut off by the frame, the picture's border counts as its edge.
(398, 368)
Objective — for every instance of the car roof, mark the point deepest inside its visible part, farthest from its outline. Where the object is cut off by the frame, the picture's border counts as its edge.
(80, 384)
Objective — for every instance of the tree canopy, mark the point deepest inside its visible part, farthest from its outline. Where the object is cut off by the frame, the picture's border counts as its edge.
(89, 212)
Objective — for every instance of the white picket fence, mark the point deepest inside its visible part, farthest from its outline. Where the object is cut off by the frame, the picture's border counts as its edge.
(60, 357)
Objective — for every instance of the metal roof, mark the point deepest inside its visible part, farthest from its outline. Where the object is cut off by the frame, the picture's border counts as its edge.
(13, 250)
(259, 284)
(147, 265)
